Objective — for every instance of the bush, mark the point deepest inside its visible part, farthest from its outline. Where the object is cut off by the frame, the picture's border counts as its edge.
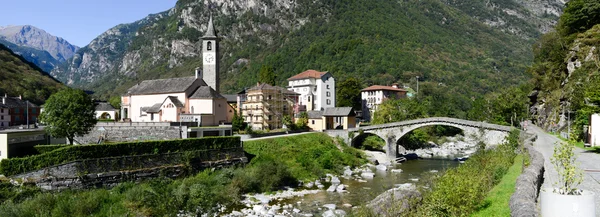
(460, 191)
(13, 166)
(48, 148)
(307, 156)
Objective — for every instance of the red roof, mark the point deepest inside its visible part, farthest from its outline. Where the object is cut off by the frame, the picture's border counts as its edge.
(381, 87)
(307, 74)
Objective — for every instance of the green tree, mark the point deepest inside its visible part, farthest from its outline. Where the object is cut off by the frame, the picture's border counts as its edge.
(237, 122)
(302, 121)
(69, 113)
(267, 75)
(115, 101)
(348, 94)
(579, 16)
(395, 110)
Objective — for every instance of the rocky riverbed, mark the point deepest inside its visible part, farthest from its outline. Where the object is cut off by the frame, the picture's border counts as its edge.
(454, 147)
(338, 195)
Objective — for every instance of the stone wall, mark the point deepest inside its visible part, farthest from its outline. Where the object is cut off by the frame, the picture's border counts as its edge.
(113, 170)
(130, 131)
(527, 187)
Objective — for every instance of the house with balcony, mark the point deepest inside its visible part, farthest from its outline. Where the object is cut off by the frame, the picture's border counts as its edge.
(265, 106)
(374, 95)
(317, 89)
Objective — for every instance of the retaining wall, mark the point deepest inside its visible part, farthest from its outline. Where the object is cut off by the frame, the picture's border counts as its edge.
(527, 187)
(113, 170)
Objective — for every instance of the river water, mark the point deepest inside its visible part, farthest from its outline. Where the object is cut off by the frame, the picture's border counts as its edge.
(359, 193)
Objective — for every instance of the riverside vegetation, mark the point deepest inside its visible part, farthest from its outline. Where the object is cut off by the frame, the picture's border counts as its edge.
(276, 163)
(461, 191)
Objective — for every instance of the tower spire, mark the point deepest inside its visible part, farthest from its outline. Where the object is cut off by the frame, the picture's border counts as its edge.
(210, 31)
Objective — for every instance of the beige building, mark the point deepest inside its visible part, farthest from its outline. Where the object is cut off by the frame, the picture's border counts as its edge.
(266, 105)
(332, 118)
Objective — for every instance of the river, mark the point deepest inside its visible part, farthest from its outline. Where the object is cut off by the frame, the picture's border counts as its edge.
(358, 193)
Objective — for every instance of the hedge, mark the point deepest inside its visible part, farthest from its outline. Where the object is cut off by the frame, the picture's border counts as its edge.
(13, 166)
(48, 148)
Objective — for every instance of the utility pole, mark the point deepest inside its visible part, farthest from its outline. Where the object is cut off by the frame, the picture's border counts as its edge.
(417, 86)
(27, 113)
(568, 122)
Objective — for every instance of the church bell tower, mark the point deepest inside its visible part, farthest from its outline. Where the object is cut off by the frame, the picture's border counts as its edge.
(210, 57)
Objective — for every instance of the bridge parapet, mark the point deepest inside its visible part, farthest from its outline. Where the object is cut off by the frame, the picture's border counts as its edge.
(476, 124)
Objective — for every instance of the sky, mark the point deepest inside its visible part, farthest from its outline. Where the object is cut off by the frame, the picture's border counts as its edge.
(78, 21)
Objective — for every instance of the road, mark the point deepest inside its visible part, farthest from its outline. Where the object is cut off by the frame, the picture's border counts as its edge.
(588, 161)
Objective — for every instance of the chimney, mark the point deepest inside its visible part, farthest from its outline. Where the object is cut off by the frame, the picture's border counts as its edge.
(395, 85)
(198, 73)
(20, 97)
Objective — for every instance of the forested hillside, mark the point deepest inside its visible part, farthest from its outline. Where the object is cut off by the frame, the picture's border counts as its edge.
(566, 69)
(465, 48)
(20, 77)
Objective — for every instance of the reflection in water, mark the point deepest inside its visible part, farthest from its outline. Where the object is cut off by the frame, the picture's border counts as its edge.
(362, 192)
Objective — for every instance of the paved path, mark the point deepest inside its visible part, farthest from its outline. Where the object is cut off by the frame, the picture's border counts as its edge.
(588, 161)
(270, 137)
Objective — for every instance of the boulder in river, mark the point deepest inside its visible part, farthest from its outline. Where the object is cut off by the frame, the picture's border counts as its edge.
(395, 200)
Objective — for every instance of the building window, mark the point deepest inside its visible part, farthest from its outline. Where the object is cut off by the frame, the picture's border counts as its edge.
(328, 93)
(1, 110)
(1, 117)
(285, 107)
(270, 117)
(313, 121)
(269, 97)
(17, 118)
(33, 111)
(328, 102)
(209, 45)
(328, 86)
(308, 98)
(16, 110)
(192, 111)
(257, 118)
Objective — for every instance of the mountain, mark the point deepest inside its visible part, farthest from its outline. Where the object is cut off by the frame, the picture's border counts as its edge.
(36, 45)
(566, 70)
(21, 77)
(469, 47)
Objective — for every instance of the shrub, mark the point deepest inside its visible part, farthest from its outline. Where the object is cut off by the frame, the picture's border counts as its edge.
(460, 190)
(48, 148)
(13, 166)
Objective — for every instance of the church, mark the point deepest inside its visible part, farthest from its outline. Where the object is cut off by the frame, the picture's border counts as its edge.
(186, 99)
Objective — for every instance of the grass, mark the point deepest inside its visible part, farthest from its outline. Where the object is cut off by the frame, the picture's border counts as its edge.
(496, 201)
(278, 162)
(580, 144)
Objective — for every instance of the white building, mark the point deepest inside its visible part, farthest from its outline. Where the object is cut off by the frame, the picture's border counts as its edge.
(317, 89)
(187, 99)
(105, 111)
(593, 137)
(373, 96)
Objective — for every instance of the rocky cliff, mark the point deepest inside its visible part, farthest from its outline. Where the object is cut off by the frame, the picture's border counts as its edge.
(475, 46)
(36, 45)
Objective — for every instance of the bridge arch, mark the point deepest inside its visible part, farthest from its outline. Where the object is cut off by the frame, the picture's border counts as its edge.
(412, 144)
(491, 134)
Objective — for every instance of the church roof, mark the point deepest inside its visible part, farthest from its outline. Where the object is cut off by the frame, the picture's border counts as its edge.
(307, 74)
(175, 101)
(169, 85)
(104, 106)
(339, 111)
(210, 31)
(152, 109)
(206, 92)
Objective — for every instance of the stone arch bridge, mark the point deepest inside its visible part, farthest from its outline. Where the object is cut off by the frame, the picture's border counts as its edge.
(490, 134)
